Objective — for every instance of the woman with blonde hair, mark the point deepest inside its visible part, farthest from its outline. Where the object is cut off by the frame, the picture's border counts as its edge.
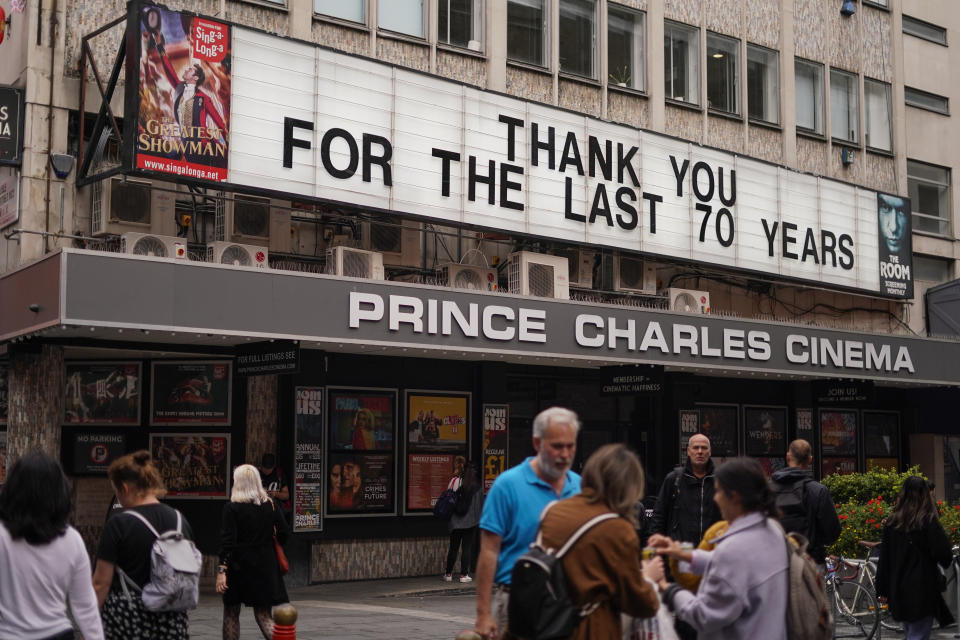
(603, 568)
(124, 553)
(248, 572)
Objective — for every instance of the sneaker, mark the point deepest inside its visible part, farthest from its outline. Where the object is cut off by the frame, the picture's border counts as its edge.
(447, 578)
(466, 578)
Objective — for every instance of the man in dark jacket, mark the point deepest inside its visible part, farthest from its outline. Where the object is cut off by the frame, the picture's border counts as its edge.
(805, 504)
(685, 508)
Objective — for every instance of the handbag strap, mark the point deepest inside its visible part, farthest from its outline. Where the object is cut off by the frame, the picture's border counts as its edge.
(589, 524)
(150, 526)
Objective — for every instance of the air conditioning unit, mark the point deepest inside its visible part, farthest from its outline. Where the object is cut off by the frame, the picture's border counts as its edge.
(355, 263)
(400, 245)
(688, 300)
(580, 263)
(239, 255)
(252, 220)
(118, 206)
(634, 275)
(462, 276)
(146, 244)
(537, 274)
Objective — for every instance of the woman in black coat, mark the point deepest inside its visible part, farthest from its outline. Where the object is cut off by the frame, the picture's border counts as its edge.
(912, 545)
(248, 572)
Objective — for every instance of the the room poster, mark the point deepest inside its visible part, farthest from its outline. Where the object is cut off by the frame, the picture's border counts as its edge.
(193, 465)
(496, 442)
(190, 393)
(308, 460)
(102, 393)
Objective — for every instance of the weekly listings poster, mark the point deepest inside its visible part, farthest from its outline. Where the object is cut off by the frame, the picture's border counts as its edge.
(190, 393)
(183, 121)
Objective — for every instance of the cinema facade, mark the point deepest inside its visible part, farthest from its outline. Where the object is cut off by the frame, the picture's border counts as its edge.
(373, 267)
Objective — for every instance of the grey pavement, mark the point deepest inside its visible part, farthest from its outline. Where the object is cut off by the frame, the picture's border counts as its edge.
(424, 608)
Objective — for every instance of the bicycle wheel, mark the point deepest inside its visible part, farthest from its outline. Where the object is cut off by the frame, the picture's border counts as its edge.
(886, 620)
(856, 614)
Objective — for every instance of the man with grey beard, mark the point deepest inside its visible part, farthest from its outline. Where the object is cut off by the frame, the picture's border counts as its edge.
(511, 513)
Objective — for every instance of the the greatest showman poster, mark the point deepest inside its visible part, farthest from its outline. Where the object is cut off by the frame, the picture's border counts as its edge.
(184, 117)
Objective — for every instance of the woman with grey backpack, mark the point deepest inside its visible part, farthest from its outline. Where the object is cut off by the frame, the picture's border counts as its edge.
(123, 568)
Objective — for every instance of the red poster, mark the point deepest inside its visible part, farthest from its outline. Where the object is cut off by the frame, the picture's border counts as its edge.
(428, 476)
(841, 466)
(184, 119)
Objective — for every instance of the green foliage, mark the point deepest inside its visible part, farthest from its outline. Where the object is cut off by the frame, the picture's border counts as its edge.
(859, 522)
(950, 519)
(620, 76)
(860, 488)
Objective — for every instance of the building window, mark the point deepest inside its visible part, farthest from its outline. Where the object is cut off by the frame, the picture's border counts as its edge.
(925, 30)
(929, 189)
(351, 10)
(924, 100)
(879, 3)
(402, 16)
(876, 96)
(930, 269)
(844, 106)
(577, 37)
(681, 59)
(763, 84)
(808, 81)
(527, 31)
(625, 48)
(723, 73)
(459, 23)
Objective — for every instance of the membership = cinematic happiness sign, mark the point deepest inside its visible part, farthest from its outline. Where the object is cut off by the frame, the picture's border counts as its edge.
(317, 123)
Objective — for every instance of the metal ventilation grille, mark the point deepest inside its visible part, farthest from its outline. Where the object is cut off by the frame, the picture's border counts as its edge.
(513, 276)
(130, 202)
(96, 206)
(540, 277)
(236, 256)
(150, 246)
(685, 302)
(356, 264)
(468, 279)
(386, 238)
(631, 273)
(220, 217)
(251, 217)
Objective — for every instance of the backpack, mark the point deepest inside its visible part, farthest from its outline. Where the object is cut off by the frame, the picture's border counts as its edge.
(445, 505)
(791, 500)
(808, 611)
(174, 571)
(540, 607)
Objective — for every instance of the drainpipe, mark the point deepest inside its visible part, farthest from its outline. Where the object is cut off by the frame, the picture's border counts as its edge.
(53, 64)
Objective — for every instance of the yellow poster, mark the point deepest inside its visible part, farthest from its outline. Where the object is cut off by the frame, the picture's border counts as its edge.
(436, 422)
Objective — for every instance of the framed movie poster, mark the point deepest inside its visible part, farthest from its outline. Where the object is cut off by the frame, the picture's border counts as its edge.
(3, 457)
(308, 460)
(4, 393)
(837, 464)
(689, 425)
(721, 423)
(838, 433)
(92, 452)
(881, 439)
(496, 442)
(102, 393)
(193, 465)
(765, 431)
(360, 465)
(190, 393)
(437, 436)
(771, 464)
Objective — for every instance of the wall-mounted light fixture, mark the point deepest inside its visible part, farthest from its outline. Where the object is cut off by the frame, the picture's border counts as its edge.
(848, 8)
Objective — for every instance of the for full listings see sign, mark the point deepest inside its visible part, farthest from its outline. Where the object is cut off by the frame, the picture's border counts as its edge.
(262, 358)
(11, 125)
(315, 123)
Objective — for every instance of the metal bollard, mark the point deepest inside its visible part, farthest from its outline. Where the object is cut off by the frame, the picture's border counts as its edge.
(285, 622)
(468, 635)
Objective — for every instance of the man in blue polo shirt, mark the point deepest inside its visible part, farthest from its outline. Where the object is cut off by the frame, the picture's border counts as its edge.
(511, 513)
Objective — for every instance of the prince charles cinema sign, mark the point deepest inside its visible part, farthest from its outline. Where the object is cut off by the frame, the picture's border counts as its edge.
(257, 112)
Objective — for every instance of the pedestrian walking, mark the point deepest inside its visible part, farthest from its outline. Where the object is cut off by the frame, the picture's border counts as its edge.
(912, 544)
(248, 572)
(43, 561)
(463, 524)
(125, 551)
(743, 593)
(603, 567)
(511, 512)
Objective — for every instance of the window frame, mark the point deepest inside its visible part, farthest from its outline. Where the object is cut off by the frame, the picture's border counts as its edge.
(912, 90)
(594, 44)
(923, 23)
(693, 60)
(424, 22)
(479, 29)
(879, 4)
(364, 8)
(820, 110)
(639, 55)
(737, 80)
(546, 46)
(919, 259)
(912, 179)
(776, 75)
(866, 114)
(855, 140)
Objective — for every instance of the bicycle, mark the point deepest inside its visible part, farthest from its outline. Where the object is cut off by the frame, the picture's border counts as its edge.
(856, 613)
(867, 578)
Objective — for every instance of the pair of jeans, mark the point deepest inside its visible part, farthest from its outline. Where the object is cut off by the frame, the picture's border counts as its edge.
(466, 537)
(918, 629)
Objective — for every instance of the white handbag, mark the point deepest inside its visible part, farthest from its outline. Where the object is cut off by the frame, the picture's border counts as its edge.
(659, 627)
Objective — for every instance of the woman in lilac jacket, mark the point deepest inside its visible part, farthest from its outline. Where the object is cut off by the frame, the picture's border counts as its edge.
(743, 594)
